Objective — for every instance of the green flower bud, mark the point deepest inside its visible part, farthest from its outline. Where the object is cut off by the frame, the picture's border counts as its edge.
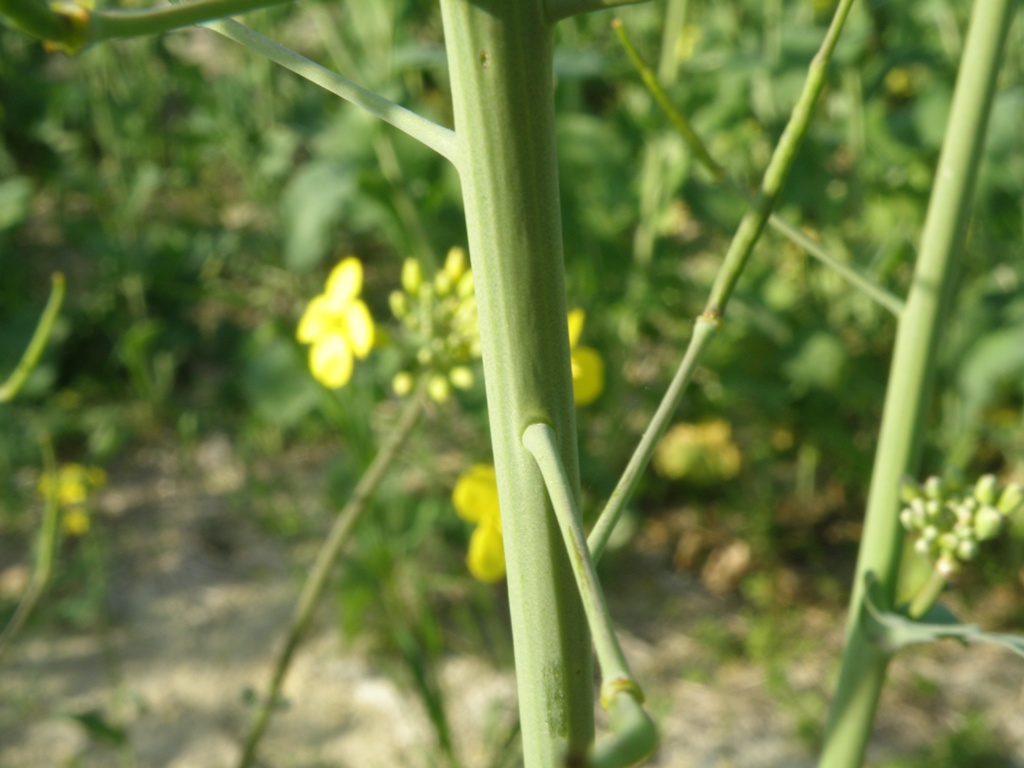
(1011, 499)
(465, 286)
(947, 565)
(412, 276)
(461, 377)
(933, 488)
(439, 388)
(455, 263)
(909, 489)
(948, 542)
(985, 489)
(443, 283)
(933, 509)
(402, 383)
(930, 534)
(399, 304)
(988, 522)
(967, 550)
(918, 513)
(907, 519)
(923, 548)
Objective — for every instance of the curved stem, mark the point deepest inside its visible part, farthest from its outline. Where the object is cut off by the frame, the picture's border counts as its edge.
(325, 560)
(10, 388)
(635, 736)
(437, 137)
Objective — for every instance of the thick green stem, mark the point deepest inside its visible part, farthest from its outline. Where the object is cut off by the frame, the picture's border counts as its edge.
(634, 735)
(910, 379)
(500, 60)
(326, 557)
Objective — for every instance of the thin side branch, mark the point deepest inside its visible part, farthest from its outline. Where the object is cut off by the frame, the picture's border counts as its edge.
(437, 137)
(888, 300)
(325, 560)
(704, 330)
(9, 389)
(563, 9)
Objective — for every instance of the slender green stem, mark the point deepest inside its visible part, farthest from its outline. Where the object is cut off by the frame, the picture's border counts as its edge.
(500, 56)
(929, 593)
(638, 736)
(704, 331)
(778, 167)
(438, 138)
(326, 557)
(563, 9)
(115, 24)
(46, 549)
(10, 388)
(891, 302)
(911, 376)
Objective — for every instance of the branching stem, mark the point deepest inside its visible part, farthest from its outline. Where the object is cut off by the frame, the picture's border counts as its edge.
(635, 734)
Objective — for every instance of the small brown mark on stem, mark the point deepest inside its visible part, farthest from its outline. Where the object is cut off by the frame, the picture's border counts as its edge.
(485, 60)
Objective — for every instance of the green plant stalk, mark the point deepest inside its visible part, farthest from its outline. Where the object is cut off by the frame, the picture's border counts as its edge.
(740, 248)
(10, 388)
(326, 557)
(913, 362)
(653, 82)
(500, 56)
(633, 733)
(34, 19)
(46, 550)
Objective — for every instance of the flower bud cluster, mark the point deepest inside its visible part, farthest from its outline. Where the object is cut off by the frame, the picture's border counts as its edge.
(951, 519)
(442, 335)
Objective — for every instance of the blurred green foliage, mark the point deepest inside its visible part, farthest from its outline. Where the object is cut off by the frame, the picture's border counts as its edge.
(195, 197)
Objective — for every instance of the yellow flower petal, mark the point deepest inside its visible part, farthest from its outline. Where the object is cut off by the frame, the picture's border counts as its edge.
(576, 318)
(345, 281)
(330, 360)
(475, 496)
(360, 328)
(486, 556)
(75, 521)
(316, 321)
(587, 375)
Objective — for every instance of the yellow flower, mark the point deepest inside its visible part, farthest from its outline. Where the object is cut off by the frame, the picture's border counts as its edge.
(73, 484)
(702, 453)
(338, 325)
(475, 498)
(587, 365)
(75, 521)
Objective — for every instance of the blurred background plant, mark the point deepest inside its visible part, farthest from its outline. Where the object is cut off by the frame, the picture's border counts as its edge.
(197, 197)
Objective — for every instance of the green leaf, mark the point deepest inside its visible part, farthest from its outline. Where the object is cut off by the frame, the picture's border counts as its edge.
(15, 195)
(99, 728)
(312, 205)
(892, 630)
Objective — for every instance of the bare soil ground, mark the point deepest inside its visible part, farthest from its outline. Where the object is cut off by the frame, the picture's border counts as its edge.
(199, 594)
